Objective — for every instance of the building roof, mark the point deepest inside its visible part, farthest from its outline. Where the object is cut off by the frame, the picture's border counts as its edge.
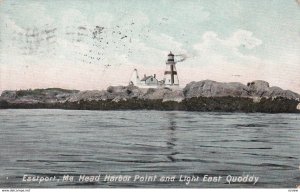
(147, 77)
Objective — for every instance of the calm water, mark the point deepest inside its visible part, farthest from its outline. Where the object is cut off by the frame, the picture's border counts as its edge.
(66, 142)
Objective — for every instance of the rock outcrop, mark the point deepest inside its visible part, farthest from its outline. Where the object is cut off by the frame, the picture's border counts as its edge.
(50, 95)
(210, 88)
(255, 89)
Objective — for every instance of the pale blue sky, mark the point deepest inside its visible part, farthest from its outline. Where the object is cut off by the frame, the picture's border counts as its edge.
(224, 40)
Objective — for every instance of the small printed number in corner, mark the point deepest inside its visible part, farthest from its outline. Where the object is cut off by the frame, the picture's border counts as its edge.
(15, 190)
(293, 190)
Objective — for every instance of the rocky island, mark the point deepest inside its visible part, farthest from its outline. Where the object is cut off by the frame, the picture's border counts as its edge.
(207, 95)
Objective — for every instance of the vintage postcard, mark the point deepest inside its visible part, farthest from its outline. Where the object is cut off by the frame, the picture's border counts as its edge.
(149, 94)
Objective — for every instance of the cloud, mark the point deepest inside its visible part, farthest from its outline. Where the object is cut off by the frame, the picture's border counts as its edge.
(213, 49)
(243, 38)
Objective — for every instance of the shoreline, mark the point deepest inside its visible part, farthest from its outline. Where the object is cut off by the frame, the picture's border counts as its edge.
(201, 104)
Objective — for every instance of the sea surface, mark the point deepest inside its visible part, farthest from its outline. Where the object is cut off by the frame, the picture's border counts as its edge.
(48, 143)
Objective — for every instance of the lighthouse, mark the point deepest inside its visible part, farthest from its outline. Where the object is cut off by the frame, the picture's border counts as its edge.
(171, 78)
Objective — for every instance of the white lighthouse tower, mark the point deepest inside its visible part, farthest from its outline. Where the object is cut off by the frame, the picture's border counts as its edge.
(171, 77)
(135, 79)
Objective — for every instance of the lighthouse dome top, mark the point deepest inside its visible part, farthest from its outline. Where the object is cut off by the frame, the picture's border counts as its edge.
(170, 54)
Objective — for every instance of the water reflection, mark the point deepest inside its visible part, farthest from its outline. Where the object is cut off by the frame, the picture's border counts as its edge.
(171, 133)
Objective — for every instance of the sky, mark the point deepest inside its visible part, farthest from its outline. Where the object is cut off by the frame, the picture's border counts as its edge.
(92, 44)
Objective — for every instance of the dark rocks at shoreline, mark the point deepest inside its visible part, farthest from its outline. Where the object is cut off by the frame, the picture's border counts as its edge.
(256, 96)
(204, 104)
